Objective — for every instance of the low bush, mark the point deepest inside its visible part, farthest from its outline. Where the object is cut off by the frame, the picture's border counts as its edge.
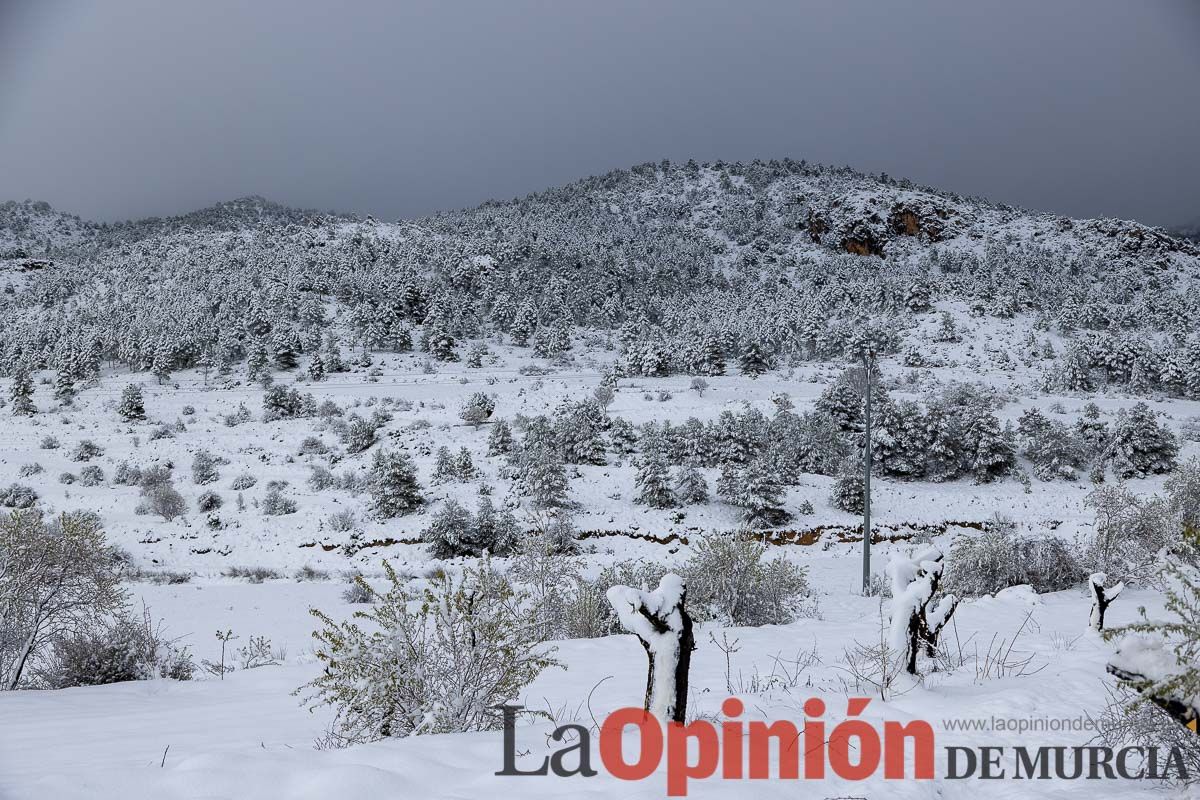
(161, 499)
(729, 580)
(18, 496)
(209, 501)
(342, 521)
(242, 482)
(1001, 557)
(86, 451)
(275, 504)
(310, 573)
(253, 574)
(91, 475)
(123, 650)
(428, 662)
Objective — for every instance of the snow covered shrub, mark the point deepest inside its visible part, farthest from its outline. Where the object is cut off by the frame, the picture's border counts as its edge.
(161, 499)
(1183, 493)
(1139, 446)
(188, 411)
(360, 435)
(259, 653)
(873, 667)
(1000, 557)
(274, 504)
(392, 484)
(730, 581)
(204, 468)
(164, 577)
(1160, 660)
(66, 478)
(1129, 720)
(313, 446)
(477, 409)
(342, 521)
(320, 478)
(1130, 532)
(328, 409)
(161, 432)
(310, 573)
(49, 443)
(91, 475)
(18, 496)
(243, 482)
(155, 475)
(253, 574)
(86, 451)
(209, 501)
(123, 649)
(539, 567)
(582, 610)
(29, 470)
(239, 417)
(279, 402)
(1189, 429)
(58, 577)
(355, 593)
(427, 662)
(132, 406)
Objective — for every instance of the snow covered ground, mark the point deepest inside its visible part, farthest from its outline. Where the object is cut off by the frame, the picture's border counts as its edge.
(247, 736)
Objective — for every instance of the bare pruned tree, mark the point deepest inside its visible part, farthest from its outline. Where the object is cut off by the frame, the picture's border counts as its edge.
(663, 626)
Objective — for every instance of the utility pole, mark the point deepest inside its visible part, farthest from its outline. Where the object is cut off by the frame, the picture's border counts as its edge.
(869, 365)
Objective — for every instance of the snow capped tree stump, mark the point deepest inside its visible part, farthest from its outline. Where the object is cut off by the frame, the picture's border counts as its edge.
(662, 625)
(916, 626)
(1101, 598)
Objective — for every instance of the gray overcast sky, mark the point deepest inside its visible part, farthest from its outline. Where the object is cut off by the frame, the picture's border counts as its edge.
(125, 108)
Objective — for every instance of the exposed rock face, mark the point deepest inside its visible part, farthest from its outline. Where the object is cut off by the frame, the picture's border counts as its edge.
(816, 226)
(862, 246)
(928, 222)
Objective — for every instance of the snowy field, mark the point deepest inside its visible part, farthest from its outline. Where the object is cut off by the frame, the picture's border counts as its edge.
(247, 736)
(426, 417)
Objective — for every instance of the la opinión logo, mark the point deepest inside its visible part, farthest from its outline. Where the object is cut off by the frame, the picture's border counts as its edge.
(736, 748)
